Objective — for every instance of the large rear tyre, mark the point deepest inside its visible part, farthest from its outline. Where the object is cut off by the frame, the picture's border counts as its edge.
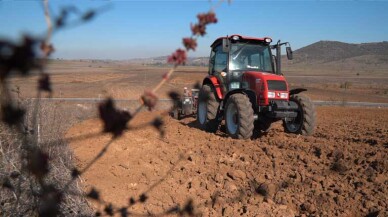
(239, 117)
(207, 109)
(304, 123)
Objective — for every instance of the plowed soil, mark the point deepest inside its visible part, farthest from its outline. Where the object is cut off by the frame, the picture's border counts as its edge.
(339, 171)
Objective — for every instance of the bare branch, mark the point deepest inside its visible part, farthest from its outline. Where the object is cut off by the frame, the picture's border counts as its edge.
(48, 21)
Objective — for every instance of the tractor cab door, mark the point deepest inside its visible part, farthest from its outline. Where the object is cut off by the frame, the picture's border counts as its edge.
(219, 64)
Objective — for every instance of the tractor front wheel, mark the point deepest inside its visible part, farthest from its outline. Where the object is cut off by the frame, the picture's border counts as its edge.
(207, 109)
(239, 117)
(304, 123)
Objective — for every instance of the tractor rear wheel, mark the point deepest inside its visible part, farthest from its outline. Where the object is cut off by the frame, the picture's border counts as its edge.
(239, 117)
(207, 109)
(304, 123)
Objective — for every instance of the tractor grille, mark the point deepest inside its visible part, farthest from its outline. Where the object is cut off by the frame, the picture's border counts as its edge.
(277, 85)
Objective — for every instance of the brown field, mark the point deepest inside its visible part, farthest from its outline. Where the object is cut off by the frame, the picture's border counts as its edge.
(86, 79)
(339, 171)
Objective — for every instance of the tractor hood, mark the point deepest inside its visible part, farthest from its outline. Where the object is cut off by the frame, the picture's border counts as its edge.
(269, 86)
(269, 76)
(253, 78)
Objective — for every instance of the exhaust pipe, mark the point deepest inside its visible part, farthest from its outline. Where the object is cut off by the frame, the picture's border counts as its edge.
(278, 58)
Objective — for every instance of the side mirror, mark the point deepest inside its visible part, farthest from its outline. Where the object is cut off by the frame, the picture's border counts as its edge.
(289, 53)
(225, 45)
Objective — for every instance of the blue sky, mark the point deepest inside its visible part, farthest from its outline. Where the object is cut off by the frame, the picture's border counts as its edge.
(131, 29)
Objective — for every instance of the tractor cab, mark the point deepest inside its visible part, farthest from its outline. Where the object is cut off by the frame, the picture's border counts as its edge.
(232, 56)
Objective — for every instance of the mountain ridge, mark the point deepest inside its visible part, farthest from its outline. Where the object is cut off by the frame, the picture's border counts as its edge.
(321, 52)
(328, 51)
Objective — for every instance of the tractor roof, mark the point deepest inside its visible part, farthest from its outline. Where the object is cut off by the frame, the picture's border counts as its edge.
(244, 38)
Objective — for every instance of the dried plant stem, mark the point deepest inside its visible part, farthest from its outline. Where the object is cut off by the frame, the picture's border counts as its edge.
(160, 84)
(94, 160)
(219, 3)
(34, 159)
(181, 157)
(98, 156)
(172, 70)
(48, 21)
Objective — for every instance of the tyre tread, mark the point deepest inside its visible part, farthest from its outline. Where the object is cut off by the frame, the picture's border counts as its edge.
(245, 113)
(309, 115)
(211, 124)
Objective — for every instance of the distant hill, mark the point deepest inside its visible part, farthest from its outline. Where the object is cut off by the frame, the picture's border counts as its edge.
(328, 51)
(331, 54)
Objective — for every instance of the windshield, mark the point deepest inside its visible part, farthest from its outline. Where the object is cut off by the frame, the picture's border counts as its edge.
(252, 57)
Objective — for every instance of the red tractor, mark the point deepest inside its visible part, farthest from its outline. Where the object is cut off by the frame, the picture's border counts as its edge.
(245, 87)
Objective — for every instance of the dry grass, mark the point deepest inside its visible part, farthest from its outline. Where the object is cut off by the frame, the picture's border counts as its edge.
(23, 198)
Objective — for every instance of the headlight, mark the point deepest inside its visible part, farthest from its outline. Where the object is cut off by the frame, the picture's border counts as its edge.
(234, 85)
(236, 37)
(268, 40)
(284, 95)
(271, 95)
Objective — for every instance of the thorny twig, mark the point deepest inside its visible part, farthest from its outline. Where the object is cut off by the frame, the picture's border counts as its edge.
(115, 121)
(33, 162)
(48, 21)
(188, 46)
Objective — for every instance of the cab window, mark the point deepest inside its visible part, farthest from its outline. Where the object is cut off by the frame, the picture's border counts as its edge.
(220, 59)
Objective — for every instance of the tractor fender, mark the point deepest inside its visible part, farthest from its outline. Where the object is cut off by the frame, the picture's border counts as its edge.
(297, 90)
(249, 93)
(213, 81)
